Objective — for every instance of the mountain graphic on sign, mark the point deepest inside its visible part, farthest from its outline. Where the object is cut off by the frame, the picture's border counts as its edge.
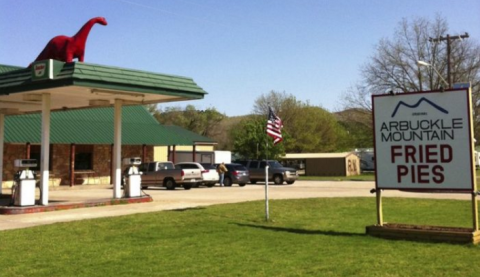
(423, 99)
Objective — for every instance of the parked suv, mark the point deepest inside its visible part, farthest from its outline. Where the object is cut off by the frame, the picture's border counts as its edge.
(236, 174)
(276, 171)
(209, 172)
(165, 174)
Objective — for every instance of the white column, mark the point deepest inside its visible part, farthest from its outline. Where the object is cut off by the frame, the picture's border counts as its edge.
(2, 132)
(117, 149)
(45, 148)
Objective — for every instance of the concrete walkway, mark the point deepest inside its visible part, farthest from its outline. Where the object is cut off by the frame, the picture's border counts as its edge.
(180, 199)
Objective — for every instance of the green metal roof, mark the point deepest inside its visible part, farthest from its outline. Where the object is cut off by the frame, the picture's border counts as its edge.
(8, 68)
(95, 126)
(15, 79)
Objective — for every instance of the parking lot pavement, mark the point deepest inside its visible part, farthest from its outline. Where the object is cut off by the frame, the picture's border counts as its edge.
(178, 199)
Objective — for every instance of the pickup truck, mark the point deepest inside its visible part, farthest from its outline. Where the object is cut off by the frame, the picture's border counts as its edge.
(164, 174)
(276, 171)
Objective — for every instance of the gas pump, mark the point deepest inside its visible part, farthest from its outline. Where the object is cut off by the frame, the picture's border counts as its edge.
(132, 177)
(23, 190)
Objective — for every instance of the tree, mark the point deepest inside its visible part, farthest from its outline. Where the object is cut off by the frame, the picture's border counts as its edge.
(251, 140)
(203, 122)
(393, 66)
(356, 117)
(315, 130)
(306, 128)
(287, 107)
(357, 124)
(310, 128)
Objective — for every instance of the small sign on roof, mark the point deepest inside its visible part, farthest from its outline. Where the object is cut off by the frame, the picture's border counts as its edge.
(46, 69)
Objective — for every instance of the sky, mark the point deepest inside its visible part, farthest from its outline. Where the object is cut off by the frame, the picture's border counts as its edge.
(236, 50)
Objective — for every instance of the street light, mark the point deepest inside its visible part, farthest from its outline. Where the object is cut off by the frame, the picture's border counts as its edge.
(422, 63)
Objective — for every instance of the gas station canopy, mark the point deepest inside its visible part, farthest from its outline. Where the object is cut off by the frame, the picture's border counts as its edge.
(50, 85)
(83, 85)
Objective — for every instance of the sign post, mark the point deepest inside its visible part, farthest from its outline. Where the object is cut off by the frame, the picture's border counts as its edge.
(475, 211)
(379, 208)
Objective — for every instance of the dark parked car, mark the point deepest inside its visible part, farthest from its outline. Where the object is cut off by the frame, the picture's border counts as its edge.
(237, 174)
(276, 173)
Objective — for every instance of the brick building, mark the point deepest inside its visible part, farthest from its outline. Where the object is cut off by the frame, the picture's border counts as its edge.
(81, 143)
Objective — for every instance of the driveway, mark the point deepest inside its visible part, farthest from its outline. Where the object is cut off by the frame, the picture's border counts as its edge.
(180, 199)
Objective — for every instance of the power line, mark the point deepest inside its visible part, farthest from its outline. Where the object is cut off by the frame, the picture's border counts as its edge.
(449, 38)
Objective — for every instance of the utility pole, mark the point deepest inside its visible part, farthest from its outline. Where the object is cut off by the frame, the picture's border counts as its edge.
(449, 38)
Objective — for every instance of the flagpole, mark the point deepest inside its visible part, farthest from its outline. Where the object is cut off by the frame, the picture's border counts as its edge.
(267, 216)
(274, 130)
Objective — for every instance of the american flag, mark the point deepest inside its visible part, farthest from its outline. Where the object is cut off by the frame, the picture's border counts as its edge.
(274, 126)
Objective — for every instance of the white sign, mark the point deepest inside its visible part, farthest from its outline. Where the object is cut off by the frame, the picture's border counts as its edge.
(424, 141)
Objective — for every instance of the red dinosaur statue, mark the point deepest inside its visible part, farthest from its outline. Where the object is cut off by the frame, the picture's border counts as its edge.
(65, 48)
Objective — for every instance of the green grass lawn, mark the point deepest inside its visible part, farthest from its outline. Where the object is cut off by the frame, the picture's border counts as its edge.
(313, 237)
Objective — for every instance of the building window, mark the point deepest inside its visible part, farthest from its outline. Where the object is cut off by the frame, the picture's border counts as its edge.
(84, 157)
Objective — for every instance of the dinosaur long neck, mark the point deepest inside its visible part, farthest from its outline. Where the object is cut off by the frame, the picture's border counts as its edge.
(82, 34)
